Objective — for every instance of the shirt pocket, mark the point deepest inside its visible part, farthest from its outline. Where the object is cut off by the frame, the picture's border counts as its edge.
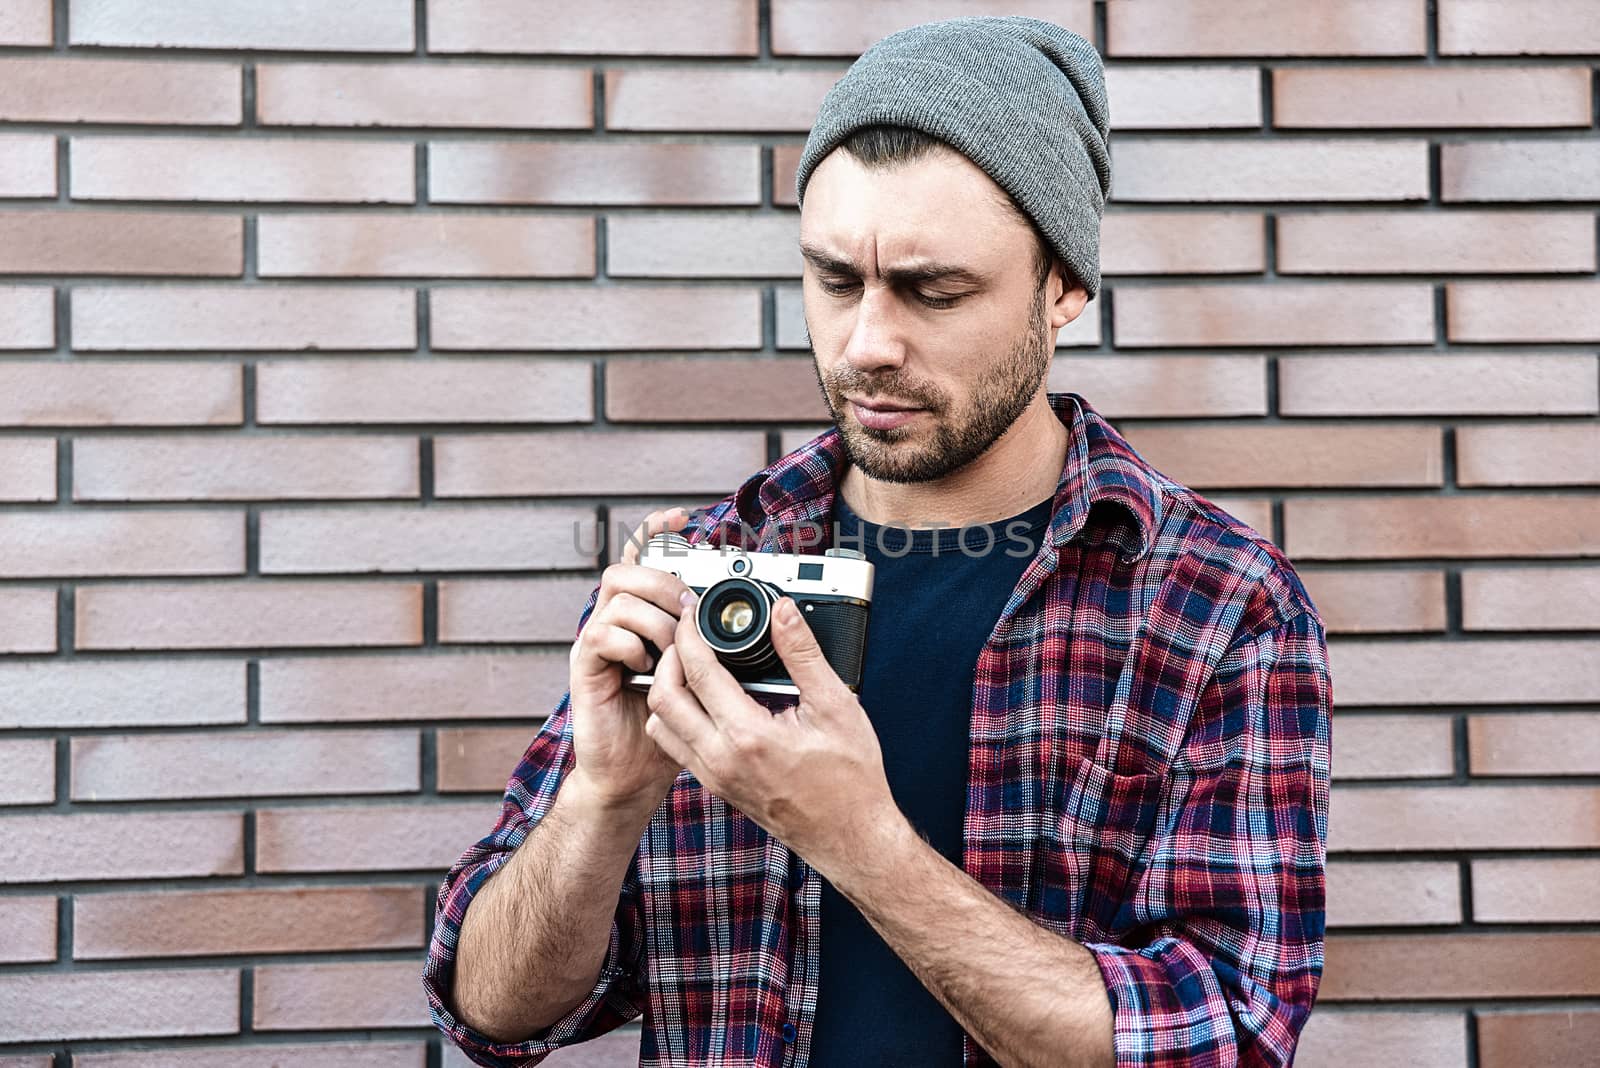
(1102, 825)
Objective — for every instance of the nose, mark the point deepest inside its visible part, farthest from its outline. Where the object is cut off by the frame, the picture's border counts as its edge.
(878, 335)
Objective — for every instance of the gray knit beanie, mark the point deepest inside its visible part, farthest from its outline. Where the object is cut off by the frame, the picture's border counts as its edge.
(1022, 98)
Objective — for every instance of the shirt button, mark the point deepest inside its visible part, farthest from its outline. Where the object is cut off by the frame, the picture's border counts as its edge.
(788, 1032)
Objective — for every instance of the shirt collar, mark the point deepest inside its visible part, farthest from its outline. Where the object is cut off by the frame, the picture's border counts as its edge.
(1100, 466)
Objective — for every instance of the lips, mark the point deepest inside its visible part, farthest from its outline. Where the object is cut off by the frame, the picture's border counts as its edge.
(883, 406)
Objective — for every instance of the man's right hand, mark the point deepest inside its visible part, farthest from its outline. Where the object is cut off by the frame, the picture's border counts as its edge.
(618, 763)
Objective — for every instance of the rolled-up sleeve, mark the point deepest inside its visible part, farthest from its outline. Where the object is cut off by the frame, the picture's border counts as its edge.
(1234, 891)
(618, 994)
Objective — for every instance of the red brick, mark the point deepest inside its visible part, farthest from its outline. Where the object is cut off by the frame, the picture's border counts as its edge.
(190, 317)
(843, 28)
(785, 166)
(27, 165)
(248, 614)
(42, 1060)
(69, 89)
(205, 467)
(1288, 455)
(1533, 1039)
(83, 543)
(1336, 1038)
(30, 926)
(434, 246)
(1466, 672)
(26, 22)
(1530, 743)
(1430, 384)
(1543, 169)
(27, 775)
(479, 759)
(121, 693)
(1531, 598)
(1165, 242)
(1241, 169)
(425, 391)
(583, 174)
(441, 538)
(120, 845)
(1438, 966)
(27, 316)
(615, 27)
(168, 923)
(1523, 311)
(1150, 386)
(1169, 97)
(703, 244)
(754, 99)
(88, 241)
(1281, 314)
(263, 170)
(28, 620)
(1265, 28)
(1535, 891)
(585, 317)
(1394, 747)
(1518, 27)
(580, 462)
(28, 469)
(456, 686)
(1410, 242)
(1356, 98)
(208, 763)
(274, 1055)
(350, 838)
(1393, 599)
(1388, 819)
(57, 1006)
(424, 94)
(543, 609)
(715, 389)
(357, 26)
(51, 393)
(325, 997)
(1528, 454)
(1393, 893)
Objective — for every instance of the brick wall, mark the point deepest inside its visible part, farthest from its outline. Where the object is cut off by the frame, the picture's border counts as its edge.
(322, 326)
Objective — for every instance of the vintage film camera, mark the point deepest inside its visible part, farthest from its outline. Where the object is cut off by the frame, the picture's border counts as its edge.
(737, 591)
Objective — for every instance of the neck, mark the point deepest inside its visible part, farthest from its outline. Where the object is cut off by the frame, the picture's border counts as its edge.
(1022, 468)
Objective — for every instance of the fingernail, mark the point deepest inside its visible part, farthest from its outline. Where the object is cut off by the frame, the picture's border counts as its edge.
(790, 611)
(686, 598)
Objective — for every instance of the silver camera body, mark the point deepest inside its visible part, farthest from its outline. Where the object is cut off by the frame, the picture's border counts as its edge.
(737, 591)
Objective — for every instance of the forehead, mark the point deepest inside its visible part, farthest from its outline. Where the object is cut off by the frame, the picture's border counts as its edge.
(940, 207)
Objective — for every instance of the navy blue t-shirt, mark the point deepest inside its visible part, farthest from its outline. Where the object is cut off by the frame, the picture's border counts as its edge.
(933, 607)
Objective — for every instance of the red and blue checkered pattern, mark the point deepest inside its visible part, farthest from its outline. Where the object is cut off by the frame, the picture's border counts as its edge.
(1148, 776)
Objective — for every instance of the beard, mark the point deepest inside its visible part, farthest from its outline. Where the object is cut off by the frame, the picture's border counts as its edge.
(960, 434)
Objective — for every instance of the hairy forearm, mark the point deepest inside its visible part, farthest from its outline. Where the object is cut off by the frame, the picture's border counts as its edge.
(534, 938)
(1026, 995)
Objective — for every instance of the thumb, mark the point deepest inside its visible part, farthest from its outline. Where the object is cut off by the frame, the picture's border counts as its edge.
(801, 655)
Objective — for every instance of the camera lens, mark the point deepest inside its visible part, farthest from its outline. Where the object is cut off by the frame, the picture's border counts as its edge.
(734, 617)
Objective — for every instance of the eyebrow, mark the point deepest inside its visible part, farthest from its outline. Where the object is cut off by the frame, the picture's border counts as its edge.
(912, 274)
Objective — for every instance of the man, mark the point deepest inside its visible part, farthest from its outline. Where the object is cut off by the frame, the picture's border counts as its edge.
(1076, 813)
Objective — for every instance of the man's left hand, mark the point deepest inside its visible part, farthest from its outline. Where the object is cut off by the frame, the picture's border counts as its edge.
(811, 775)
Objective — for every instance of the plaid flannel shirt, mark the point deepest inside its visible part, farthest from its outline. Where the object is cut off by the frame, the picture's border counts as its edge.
(1148, 776)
